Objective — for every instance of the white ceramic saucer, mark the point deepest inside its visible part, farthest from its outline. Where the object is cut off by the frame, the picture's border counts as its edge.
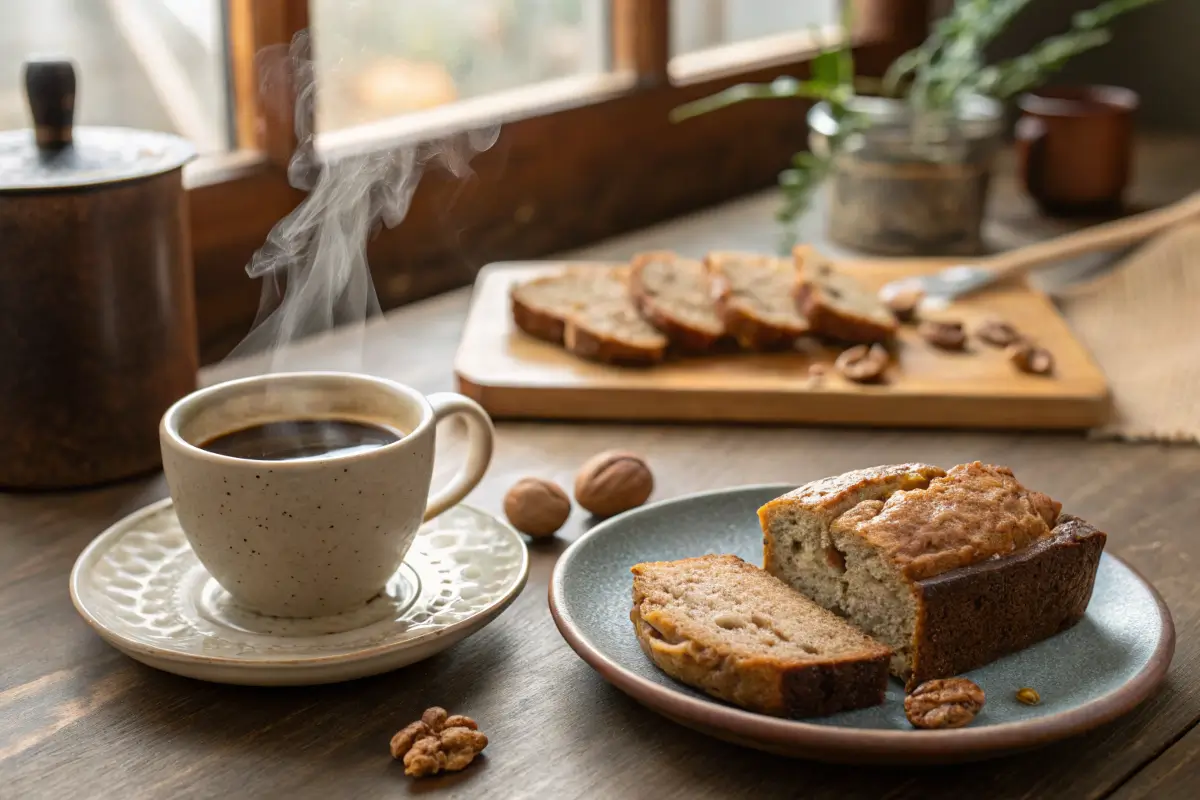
(142, 588)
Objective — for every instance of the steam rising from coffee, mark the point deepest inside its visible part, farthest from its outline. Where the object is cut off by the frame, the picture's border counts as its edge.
(314, 264)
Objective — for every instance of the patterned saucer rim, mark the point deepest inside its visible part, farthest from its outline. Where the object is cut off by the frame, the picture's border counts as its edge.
(137, 649)
(798, 738)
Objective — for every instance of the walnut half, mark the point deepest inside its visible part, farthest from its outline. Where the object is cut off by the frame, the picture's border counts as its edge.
(863, 363)
(944, 703)
(438, 743)
(944, 334)
(998, 333)
(1030, 358)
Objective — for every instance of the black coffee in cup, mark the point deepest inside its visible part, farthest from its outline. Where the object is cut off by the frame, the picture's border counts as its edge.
(290, 440)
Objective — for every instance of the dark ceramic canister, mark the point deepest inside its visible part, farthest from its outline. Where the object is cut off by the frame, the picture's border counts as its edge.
(97, 309)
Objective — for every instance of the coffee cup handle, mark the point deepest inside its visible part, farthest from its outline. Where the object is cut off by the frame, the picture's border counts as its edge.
(480, 434)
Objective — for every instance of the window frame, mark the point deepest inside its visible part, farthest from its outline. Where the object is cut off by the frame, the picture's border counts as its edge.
(564, 172)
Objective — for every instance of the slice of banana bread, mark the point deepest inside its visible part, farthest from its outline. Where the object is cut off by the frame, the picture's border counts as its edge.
(951, 569)
(588, 310)
(731, 630)
(754, 297)
(675, 295)
(613, 332)
(541, 306)
(835, 304)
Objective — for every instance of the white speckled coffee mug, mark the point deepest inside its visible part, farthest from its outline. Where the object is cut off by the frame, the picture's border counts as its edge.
(321, 535)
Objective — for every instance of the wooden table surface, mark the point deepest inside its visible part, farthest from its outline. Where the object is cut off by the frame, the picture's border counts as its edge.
(78, 719)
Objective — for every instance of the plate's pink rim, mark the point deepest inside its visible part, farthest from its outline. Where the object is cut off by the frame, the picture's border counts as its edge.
(861, 743)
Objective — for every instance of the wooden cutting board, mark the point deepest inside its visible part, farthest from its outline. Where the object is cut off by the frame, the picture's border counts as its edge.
(515, 376)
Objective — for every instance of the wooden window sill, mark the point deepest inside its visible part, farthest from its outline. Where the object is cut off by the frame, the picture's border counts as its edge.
(499, 108)
(735, 58)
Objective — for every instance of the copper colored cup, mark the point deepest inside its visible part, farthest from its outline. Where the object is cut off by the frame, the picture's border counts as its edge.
(1075, 147)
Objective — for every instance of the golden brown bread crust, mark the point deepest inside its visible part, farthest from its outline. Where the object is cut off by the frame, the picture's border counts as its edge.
(685, 336)
(972, 513)
(536, 323)
(764, 684)
(837, 494)
(973, 615)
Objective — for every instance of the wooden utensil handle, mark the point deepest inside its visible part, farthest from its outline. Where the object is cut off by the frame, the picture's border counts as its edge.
(1098, 238)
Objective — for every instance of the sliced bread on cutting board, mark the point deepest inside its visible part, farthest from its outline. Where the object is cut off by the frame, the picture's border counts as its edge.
(613, 332)
(589, 311)
(515, 375)
(675, 295)
(754, 296)
(835, 304)
(541, 306)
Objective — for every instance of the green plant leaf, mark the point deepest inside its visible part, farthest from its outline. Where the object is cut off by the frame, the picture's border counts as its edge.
(1024, 72)
(948, 66)
(780, 88)
(1019, 74)
(1106, 12)
(901, 68)
(826, 68)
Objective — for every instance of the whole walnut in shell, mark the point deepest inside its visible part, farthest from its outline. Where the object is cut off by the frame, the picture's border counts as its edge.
(537, 507)
(612, 482)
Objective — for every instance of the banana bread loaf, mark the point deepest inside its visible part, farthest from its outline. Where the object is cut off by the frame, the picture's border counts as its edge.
(733, 631)
(951, 569)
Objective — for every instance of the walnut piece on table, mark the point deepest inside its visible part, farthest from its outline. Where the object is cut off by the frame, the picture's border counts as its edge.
(438, 742)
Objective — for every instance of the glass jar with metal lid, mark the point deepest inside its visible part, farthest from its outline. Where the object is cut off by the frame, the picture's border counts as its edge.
(906, 182)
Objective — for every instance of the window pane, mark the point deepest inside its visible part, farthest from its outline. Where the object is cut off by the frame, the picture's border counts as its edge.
(379, 58)
(701, 24)
(154, 64)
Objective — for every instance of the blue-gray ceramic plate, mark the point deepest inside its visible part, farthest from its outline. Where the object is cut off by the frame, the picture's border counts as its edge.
(1088, 675)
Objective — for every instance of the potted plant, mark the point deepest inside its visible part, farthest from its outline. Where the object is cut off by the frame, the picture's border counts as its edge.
(909, 158)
